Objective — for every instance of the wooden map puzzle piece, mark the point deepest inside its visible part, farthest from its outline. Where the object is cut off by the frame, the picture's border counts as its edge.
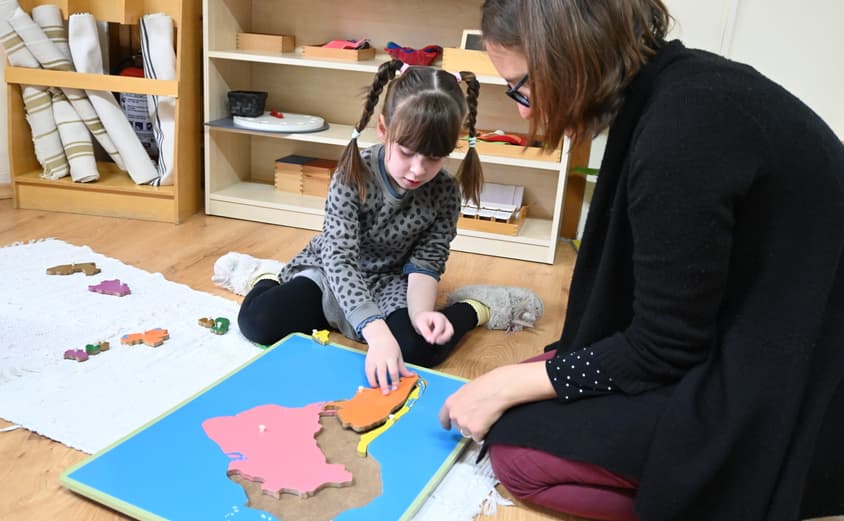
(221, 326)
(368, 437)
(276, 447)
(320, 336)
(218, 326)
(206, 322)
(88, 268)
(76, 354)
(111, 287)
(95, 349)
(370, 408)
(152, 338)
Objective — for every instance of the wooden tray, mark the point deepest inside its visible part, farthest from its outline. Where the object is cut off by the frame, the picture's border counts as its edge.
(353, 55)
(482, 224)
(266, 42)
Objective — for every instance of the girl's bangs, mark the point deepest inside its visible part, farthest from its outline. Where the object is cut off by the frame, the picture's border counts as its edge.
(430, 129)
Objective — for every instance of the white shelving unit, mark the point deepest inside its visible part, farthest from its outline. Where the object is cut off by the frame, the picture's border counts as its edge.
(239, 163)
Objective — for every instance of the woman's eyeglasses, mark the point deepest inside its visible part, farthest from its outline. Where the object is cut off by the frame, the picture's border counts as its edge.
(515, 95)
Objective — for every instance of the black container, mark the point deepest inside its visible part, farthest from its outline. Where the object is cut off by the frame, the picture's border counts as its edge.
(249, 103)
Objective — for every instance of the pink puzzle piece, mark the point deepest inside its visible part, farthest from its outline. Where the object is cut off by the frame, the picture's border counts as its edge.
(276, 446)
(111, 287)
(76, 354)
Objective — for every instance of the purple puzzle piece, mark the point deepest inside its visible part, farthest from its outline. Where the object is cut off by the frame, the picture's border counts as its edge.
(76, 354)
(111, 287)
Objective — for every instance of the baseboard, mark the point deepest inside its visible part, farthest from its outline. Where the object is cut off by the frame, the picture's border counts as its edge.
(5, 190)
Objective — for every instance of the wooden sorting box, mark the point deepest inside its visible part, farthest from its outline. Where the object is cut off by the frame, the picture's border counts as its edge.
(456, 59)
(353, 55)
(304, 175)
(513, 151)
(265, 42)
(482, 224)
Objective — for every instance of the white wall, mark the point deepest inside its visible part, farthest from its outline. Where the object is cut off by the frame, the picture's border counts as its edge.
(700, 24)
(799, 45)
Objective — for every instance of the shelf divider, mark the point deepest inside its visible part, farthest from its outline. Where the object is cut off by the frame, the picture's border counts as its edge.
(103, 82)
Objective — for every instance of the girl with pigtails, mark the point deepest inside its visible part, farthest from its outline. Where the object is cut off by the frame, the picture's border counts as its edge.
(390, 216)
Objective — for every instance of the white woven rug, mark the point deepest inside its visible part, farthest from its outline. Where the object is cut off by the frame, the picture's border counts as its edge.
(90, 405)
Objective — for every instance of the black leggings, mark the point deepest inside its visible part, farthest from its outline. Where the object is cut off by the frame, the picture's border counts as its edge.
(271, 311)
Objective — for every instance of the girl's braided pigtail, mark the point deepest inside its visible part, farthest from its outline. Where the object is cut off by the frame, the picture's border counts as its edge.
(470, 174)
(350, 166)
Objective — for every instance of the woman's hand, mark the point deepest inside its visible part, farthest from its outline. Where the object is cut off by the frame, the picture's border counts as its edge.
(384, 364)
(434, 327)
(473, 408)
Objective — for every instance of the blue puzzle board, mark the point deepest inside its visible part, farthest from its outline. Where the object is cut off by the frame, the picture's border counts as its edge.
(131, 476)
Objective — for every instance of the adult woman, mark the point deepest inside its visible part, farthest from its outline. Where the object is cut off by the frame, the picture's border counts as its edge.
(700, 364)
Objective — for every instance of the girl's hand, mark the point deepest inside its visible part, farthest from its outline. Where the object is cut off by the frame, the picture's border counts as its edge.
(434, 327)
(384, 364)
(473, 408)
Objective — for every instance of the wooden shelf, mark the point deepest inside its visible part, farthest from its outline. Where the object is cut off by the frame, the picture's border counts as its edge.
(115, 194)
(239, 172)
(297, 59)
(339, 135)
(111, 179)
(262, 202)
(102, 82)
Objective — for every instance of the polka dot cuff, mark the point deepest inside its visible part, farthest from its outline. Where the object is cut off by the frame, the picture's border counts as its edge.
(576, 375)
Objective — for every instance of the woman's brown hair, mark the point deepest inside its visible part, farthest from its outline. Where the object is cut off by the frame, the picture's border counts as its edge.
(424, 110)
(581, 55)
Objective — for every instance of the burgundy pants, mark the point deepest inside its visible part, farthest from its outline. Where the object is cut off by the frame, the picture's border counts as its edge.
(563, 485)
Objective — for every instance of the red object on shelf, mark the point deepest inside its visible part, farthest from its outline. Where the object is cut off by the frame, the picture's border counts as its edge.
(513, 139)
(363, 43)
(424, 56)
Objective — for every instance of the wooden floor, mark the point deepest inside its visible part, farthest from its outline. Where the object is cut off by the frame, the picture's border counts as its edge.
(31, 465)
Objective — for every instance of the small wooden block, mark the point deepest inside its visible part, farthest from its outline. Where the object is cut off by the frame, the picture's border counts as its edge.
(288, 182)
(316, 176)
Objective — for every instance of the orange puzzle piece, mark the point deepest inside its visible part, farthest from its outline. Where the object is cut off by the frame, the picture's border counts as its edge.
(369, 408)
(152, 338)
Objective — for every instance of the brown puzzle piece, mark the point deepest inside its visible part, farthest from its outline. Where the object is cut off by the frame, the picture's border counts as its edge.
(370, 408)
(88, 268)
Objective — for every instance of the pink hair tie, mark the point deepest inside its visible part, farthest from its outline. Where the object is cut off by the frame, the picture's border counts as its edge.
(404, 67)
(458, 76)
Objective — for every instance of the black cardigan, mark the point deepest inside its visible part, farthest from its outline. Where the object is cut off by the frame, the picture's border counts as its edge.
(710, 287)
